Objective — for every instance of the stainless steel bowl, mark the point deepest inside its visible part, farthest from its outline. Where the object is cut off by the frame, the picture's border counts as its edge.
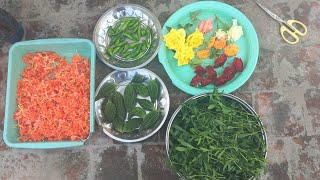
(121, 79)
(232, 97)
(109, 18)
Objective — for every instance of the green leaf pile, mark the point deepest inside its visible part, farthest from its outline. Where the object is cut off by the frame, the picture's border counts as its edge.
(128, 112)
(216, 138)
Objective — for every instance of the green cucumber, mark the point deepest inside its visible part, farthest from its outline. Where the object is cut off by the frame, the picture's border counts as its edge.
(118, 101)
(150, 119)
(146, 104)
(129, 96)
(109, 110)
(132, 124)
(153, 89)
(106, 90)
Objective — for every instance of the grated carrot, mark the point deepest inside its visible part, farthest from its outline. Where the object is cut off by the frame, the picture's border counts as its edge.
(53, 98)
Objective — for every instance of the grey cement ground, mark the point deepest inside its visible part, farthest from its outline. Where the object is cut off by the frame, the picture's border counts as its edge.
(284, 89)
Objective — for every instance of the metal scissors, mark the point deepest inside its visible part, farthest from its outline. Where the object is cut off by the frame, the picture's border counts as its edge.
(286, 27)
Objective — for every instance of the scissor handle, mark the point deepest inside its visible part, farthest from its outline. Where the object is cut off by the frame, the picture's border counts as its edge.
(284, 29)
(291, 22)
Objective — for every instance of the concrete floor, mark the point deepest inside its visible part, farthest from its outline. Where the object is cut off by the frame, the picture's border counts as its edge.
(284, 89)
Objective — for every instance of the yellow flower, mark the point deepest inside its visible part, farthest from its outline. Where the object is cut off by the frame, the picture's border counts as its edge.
(184, 55)
(175, 39)
(195, 39)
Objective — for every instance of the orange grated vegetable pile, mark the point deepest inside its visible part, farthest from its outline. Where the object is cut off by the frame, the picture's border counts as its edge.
(53, 98)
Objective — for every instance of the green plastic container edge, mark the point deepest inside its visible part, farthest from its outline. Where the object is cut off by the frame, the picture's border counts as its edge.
(51, 145)
(241, 79)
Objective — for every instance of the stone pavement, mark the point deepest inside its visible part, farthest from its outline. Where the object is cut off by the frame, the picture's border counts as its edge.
(284, 89)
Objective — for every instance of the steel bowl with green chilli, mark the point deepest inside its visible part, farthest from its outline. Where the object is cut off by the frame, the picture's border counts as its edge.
(127, 37)
(216, 136)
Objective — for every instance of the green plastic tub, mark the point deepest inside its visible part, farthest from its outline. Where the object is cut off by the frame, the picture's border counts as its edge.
(63, 46)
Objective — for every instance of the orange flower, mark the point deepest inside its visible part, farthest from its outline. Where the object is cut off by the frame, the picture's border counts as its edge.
(220, 43)
(211, 42)
(203, 54)
(231, 50)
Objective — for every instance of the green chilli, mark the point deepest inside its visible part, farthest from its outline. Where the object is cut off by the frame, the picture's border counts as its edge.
(125, 25)
(110, 31)
(109, 50)
(117, 25)
(128, 34)
(116, 49)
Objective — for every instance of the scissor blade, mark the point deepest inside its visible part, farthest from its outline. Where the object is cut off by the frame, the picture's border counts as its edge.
(274, 16)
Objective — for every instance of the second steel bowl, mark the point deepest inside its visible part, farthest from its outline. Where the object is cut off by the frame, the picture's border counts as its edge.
(121, 79)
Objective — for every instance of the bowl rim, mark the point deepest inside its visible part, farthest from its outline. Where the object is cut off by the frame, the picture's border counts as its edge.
(242, 102)
(156, 23)
(151, 133)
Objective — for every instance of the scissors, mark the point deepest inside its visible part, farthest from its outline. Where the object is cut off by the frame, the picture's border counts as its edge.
(286, 27)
